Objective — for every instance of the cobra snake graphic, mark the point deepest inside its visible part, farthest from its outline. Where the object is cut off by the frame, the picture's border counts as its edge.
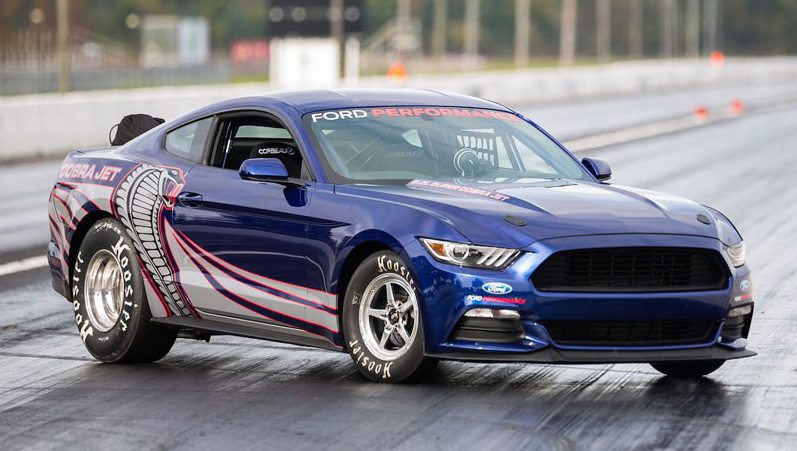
(140, 200)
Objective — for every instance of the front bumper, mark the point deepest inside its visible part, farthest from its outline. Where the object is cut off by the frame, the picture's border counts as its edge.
(449, 292)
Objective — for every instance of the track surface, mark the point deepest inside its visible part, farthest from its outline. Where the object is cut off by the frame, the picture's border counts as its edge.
(238, 393)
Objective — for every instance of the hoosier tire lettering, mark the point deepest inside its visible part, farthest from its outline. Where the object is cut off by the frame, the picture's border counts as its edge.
(111, 311)
(387, 264)
(382, 320)
(380, 369)
(83, 324)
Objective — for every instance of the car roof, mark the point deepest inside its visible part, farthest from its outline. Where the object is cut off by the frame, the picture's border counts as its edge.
(310, 100)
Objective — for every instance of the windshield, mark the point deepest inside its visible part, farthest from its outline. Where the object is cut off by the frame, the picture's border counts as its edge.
(383, 145)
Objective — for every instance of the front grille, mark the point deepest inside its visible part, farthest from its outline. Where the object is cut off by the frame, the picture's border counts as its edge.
(632, 269)
(631, 333)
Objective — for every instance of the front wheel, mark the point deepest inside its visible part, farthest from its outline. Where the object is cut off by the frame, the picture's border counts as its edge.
(688, 369)
(109, 302)
(382, 321)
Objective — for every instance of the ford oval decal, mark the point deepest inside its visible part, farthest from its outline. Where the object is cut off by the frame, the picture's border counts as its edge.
(496, 288)
(744, 285)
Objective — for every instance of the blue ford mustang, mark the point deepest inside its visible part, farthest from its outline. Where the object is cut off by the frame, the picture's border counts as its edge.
(403, 227)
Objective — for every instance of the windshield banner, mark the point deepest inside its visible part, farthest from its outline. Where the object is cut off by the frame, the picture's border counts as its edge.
(389, 112)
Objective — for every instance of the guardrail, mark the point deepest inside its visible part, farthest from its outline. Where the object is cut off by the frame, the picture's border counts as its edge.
(49, 125)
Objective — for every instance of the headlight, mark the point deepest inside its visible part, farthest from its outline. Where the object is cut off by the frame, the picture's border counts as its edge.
(736, 254)
(463, 254)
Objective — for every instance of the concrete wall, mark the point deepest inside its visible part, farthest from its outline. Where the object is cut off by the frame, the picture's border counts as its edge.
(49, 125)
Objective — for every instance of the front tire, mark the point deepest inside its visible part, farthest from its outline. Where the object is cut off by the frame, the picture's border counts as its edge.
(109, 302)
(688, 369)
(382, 321)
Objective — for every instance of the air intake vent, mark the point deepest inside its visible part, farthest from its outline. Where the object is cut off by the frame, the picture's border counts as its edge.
(632, 270)
(631, 333)
(489, 330)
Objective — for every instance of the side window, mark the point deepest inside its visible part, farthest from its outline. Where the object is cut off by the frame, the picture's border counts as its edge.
(246, 137)
(264, 132)
(188, 141)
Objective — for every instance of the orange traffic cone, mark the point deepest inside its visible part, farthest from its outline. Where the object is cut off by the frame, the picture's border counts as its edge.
(717, 58)
(397, 71)
(737, 107)
(701, 112)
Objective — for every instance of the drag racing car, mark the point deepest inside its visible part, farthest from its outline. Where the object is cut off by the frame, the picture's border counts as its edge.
(403, 227)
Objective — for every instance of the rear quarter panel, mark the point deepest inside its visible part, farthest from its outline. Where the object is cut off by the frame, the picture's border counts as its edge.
(89, 186)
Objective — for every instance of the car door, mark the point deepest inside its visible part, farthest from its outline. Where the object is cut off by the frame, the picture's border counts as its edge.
(243, 242)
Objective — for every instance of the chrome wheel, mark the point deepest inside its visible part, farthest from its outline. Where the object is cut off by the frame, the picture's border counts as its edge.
(388, 316)
(104, 290)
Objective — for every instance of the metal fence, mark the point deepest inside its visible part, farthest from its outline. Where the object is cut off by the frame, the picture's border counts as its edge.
(15, 81)
(29, 65)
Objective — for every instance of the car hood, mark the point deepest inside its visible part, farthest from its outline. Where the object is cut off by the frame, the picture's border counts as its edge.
(519, 213)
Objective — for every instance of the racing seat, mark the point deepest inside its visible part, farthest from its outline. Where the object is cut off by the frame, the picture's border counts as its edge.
(282, 149)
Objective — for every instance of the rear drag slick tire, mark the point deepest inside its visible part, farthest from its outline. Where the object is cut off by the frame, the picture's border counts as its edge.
(109, 302)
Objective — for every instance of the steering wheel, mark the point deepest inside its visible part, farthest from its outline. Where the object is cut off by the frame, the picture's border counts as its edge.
(467, 162)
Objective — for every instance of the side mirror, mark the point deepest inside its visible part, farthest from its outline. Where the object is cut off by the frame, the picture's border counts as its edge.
(267, 170)
(599, 168)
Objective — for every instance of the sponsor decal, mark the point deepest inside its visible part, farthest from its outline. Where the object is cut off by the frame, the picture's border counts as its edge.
(141, 200)
(90, 172)
(276, 151)
(339, 114)
(444, 112)
(479, 298)
(744, 285)
(405, 153)
(496, 288)
(445, 186)
(743, 298)
(413, 112)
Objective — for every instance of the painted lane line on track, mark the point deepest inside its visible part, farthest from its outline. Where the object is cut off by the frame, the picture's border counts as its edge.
(665, 126)
(576, 145)
(635, 133)
(26, 264)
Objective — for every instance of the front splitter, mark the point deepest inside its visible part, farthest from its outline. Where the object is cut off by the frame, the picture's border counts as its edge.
(553, 355)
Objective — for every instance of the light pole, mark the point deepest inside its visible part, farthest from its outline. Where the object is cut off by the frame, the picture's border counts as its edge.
(693, 28)
(336, 30)
(471, 41)
(440, 16)
(522, 32)
(567, 33)
(666, 33)
(62, 35)
(603, 29)
(710, 26)
(635, 19)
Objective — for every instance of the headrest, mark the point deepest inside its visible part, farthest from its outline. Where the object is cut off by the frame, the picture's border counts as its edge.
(275, 148)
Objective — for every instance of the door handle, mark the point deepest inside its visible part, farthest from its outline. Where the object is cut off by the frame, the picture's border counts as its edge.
(190, 200)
